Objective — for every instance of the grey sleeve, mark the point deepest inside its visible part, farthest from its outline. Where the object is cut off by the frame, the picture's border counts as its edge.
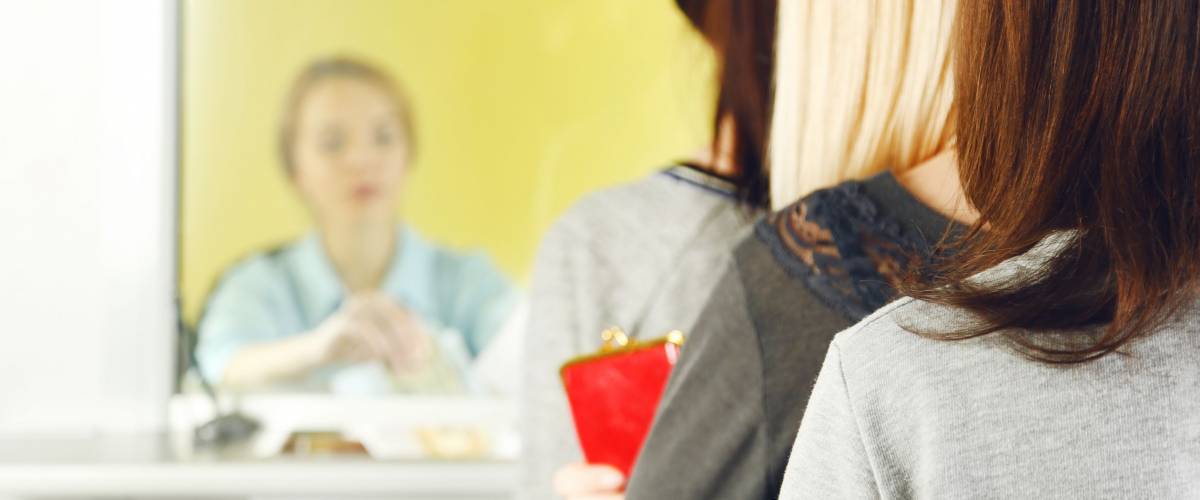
(829, 459)
(567, 295)
(708, 440)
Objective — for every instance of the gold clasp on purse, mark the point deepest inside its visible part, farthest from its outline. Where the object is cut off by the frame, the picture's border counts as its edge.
(617, 342)
(675, 337)
(615, 339)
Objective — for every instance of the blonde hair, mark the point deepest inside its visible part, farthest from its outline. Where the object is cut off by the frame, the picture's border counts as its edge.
(339, 67)
(861, 86)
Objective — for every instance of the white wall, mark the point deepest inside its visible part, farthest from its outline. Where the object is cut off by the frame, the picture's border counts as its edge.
(86, 213)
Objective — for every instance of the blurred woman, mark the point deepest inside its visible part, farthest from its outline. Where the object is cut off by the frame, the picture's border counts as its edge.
(1072, 301)
(640, 256)
(364, 303)
(863, 89)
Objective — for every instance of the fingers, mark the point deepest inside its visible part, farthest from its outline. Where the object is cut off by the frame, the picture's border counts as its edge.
(416, 343)
(372, 337)
(409, 347)
(578, 481)
(361, 346)
(400, 336)
(349, 347)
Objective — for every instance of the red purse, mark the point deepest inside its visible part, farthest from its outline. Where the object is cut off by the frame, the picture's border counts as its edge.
(614, 394)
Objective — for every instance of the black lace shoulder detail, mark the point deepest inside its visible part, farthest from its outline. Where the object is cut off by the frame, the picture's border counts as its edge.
(845, 249)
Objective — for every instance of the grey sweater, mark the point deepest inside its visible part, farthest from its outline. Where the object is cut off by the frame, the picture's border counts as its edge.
(894, 415)
(730, 413)
(643, 256)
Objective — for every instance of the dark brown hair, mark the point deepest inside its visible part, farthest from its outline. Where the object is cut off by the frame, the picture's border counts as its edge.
(339, 67)
(1077, 118)
(742, 32)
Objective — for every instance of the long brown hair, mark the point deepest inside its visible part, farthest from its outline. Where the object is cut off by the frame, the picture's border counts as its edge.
(1082, 119)
(742, 32)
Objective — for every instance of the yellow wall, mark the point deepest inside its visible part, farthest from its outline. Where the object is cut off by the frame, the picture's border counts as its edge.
(521, 106)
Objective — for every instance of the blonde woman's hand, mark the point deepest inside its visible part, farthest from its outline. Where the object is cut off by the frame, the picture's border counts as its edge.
(582, 481)
(410, 347)
(367, 327)
(371, 327)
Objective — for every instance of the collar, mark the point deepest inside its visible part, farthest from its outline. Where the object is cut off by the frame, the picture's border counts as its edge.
(320, 291)
(702, 179)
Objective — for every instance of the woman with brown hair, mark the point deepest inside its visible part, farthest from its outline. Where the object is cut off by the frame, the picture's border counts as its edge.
(1054, 355)
(641, 255)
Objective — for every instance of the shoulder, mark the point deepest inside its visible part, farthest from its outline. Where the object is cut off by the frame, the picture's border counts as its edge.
(652, 199)
(889, 329)
(833, 221)
(253, 285)
(258, 273)
(470, 265)
(887, 351)
(843, 245)
(462, 264)
(646, 218)
(674, 180)
(599, 204)
(879, 330)
(771, 289)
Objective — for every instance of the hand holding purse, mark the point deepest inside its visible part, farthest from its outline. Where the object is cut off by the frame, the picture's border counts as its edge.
(614, 394)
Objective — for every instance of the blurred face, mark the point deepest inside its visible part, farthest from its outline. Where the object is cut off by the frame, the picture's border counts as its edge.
(350, 152)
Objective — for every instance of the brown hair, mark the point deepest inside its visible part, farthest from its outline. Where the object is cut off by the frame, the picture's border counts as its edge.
(1079, 119)
(339, 67)
(743, 34)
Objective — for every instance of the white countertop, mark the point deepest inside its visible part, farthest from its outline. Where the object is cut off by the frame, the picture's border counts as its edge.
(150, 466)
